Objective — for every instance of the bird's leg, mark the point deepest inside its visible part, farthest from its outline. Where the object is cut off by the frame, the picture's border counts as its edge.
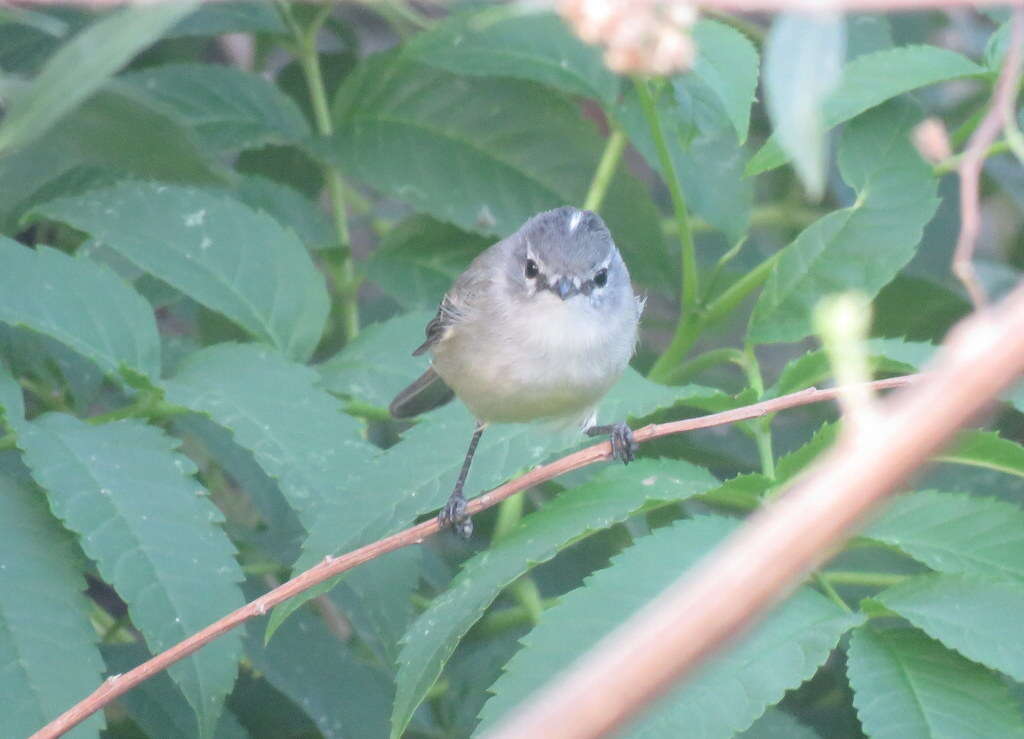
(624, 446)
(454, 512)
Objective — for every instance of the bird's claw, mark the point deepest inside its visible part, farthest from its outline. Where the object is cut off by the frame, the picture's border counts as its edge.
(624, 444)
(454, 515)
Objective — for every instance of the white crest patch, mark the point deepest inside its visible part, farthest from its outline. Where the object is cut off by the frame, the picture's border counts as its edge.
(574, 220)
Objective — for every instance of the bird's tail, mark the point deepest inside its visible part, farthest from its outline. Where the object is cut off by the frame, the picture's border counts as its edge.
(427, 392)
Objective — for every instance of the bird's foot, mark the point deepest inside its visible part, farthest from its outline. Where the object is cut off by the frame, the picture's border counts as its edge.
(624, 445)
(454, 515)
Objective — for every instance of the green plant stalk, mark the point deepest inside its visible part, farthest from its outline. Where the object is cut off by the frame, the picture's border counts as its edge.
(949, 165)
(605, 170)
(345, 277)
(830, 591)
(738, 291)
(700, 363)
(686, 330)
(761, 429)
(149, 405)
(524, 590)
(498, 622)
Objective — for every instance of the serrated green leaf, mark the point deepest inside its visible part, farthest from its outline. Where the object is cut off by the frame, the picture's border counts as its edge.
(870, 80)
(378, 363)
(290, 208)
(861, 247)
(82, 65)
(321, 674)
(48, 654)
(727, 63)
(81, 304)
(791, 464)
(986, 449)
(297, 432)
(610, 498)
(955, 533)
(214, 19)
(419, 259)
(907, 686)
(803, 59)
(730, 692)
(505, 42)
(478, 162)
(980, 618)
(233, 260)
(152, 532)
(230, 109)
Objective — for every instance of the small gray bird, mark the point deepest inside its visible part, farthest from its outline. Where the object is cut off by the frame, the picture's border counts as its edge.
(538, 327)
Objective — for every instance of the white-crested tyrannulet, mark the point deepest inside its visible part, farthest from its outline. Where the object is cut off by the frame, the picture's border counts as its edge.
(538, 327)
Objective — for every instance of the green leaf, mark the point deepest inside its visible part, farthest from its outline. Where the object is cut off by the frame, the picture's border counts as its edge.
(977, 617)
(231, 259)
(418, 260)
(81, 304)
(730, 692)
(727, 63)
(148, 525)
(610, 498)
(115, 134)
(378, 364)
(290, 208)
(214, 19)
(479, 163)
(48, 655)
(861, 247)
(955, 533)
(321, 674)
(986, 449)
(82, 65)
(906, 686)
(870, 80)
(296, 431)
(228, 108)
(803, 58)
(505, 42)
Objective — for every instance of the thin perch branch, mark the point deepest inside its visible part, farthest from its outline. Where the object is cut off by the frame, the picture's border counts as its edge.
(974, 157)
(756, 567)
(332, 566)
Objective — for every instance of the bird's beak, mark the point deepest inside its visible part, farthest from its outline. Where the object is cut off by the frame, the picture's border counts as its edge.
(563, 288)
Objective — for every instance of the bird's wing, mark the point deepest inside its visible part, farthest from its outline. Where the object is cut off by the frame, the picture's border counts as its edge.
(440, 325)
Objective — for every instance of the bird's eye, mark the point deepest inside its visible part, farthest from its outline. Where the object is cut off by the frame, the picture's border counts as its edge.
(601, 278)
(532, 270)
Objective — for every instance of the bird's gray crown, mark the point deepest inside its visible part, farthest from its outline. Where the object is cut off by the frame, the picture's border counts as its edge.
(568, 240)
